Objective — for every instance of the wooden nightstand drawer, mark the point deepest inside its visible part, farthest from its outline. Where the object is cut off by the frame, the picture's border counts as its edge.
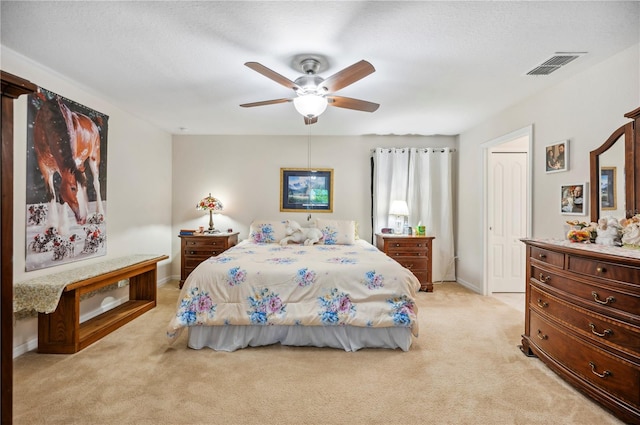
(407, 245)
(411, 262)
(412, 252)
(197, 248)
(206, 242)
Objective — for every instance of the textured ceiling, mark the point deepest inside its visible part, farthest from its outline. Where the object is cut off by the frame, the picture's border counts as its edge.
(441, 67)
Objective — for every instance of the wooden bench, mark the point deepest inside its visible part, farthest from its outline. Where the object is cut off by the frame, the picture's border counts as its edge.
(61, 332)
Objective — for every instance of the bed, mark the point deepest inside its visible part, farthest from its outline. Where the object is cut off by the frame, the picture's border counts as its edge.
(343, 293)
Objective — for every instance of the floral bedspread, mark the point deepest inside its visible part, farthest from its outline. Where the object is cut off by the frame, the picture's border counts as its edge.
(318, 285)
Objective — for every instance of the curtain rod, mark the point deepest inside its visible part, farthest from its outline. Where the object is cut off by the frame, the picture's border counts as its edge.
(441, 150)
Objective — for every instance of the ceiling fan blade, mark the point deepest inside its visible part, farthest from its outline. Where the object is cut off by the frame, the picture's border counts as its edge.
(266, 102)
(350, 103)
(272, 75)
(309, 121)
(347, 76)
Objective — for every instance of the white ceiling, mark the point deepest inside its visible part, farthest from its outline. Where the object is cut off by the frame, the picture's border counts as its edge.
(441, 67)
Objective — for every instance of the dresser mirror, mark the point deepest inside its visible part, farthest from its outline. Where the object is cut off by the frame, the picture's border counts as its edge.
(614, 181)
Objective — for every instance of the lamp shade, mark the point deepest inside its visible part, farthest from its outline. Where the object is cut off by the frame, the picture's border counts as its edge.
(209, 203)
(399, 208)
(310, 105)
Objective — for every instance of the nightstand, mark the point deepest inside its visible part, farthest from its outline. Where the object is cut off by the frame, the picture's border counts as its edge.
(195, 249)
(412, 252)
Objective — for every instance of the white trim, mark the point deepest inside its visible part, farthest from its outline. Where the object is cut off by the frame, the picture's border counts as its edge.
(468, 285)
(486, 147)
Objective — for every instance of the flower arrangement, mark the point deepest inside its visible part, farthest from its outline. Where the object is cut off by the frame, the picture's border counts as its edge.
(581, 231)
(631, 231)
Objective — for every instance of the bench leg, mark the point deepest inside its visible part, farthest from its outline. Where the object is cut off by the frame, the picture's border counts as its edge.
(58, 332)
(144, 286)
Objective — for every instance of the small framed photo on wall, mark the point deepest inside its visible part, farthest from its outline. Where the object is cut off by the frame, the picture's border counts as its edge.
(557, 157)
(573, 200)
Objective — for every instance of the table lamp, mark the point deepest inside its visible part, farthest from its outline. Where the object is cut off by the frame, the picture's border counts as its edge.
(401, 210)
(211, 204)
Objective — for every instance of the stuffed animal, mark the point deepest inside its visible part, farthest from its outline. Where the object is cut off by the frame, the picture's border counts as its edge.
(608, 231)
(296, 233)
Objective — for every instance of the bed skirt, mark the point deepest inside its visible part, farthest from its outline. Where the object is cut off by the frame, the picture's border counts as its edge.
(348, 338)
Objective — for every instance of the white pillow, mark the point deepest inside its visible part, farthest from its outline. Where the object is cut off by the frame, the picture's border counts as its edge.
(337, 232)
(267, 231)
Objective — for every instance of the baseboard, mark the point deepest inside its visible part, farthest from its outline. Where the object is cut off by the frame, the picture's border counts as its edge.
(469, 286)
(30, 345)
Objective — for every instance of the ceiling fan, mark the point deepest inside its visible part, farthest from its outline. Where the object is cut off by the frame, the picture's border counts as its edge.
(314, 93)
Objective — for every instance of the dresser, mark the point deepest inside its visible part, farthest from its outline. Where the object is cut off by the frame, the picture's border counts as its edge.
(583, 319)
(413, 252)
(197, 248)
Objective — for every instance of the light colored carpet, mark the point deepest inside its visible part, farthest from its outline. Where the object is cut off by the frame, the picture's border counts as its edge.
(465, 368)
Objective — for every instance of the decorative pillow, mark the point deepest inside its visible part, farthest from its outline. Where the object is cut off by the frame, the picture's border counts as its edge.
(267, 231)
(337, 232)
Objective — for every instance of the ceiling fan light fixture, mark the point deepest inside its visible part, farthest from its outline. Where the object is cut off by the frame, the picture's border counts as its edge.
(310, 105)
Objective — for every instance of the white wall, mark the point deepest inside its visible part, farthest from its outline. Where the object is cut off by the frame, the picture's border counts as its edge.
(244, 172)
(139, 182)
(585, 109)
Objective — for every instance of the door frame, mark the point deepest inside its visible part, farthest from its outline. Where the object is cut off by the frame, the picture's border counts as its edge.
(486, 147)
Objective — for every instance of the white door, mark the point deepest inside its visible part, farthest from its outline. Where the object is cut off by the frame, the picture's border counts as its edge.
(507, 214)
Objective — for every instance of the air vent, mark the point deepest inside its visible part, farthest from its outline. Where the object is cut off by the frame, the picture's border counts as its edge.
(555, 62)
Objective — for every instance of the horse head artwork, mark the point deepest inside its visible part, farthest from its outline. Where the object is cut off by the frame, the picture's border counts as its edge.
(64, 142)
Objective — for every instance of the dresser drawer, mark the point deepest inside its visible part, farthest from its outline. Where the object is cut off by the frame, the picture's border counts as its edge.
(552, 258)
(604, 270)
(606, 300)
(612, 374)
(600, 329)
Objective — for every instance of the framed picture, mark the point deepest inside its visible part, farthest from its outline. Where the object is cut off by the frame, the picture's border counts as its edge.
(573, 200)
(608, 188)
(304, 189)
(557, 157)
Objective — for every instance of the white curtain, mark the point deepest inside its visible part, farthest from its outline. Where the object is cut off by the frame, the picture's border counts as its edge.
(423, 178)
(391, 173)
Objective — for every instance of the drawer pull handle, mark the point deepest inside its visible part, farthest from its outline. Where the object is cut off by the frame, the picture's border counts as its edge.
(600, 269)
(397, 244)
(419, 245)
(542, 336)
(599, 375)
(544, 279)
(597, 299)
(192, 252)
(542, 304)
(601, 335)
(408, 266)
(542, 256)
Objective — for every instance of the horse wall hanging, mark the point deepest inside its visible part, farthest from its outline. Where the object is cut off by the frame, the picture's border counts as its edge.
(66, 181)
